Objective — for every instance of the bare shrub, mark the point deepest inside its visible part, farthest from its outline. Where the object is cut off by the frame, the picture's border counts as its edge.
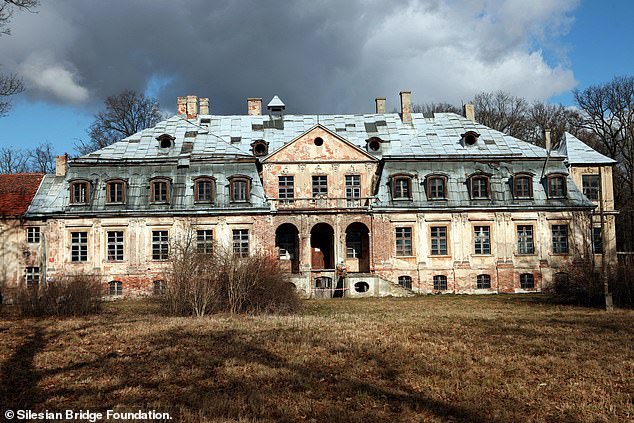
(622, 285)
(71, 295)
(579, 283)
(202, 283)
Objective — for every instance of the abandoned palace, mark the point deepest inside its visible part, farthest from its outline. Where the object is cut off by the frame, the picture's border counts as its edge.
(354, 205)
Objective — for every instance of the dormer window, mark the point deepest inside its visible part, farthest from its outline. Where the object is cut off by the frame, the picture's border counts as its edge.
(480, 187)
(437, 187)
(240, 188)
(160, 191)
(165, 141)
(556, 186)
(204, 189)
(116, 191)
(522, 186)
(374, 144)
(260, 148)
(401, 187)
(470, 138)
(80, 192)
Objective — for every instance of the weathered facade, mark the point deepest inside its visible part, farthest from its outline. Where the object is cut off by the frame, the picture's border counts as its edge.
(355, 205)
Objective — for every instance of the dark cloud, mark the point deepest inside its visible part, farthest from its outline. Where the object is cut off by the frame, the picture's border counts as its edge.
(318, 56)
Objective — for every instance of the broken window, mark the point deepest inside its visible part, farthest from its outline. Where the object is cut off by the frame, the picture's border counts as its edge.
(483, 282)
(525, 243)
(590, 184)
(79, 246)
(482, 239)
(32, 277)
(115, 245)
(160, 245)
(241, 242)
(33, 235)
(597, 242)
(405, 281)
(404, 242)
(440, 283)
(115, 288)
(205, 241)
(438, 236)
(560, 239)
(286, 189)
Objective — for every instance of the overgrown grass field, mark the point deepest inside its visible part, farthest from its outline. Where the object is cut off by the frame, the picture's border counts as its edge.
(442, 358)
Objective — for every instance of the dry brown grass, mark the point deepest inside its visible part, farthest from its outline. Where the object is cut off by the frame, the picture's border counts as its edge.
(449, 358)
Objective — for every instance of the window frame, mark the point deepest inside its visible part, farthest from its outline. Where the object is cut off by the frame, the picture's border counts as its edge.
(33, 235)
(559, 250)
(32, 277)
(87, 193)
(521, 177)
(596, 237)
(549, 186)
(482, 240)
(115, 288)
(205, 241)
(286, 189)
(439, 282)
(523, 239)
(354, 245)
(353, 190)
(430, 191)
(160, 244)
(159, 287)
(118, 246)
(79, 247)
(589, 189)
(405, 247)
(241, 246)
(124, 191)
(524, 277)
(394, 179)
(198, 182)
(168, 187)
(405, 281)
(438, 239)
(317, 186)
(234, 180)
(477, 177)
(483, 281)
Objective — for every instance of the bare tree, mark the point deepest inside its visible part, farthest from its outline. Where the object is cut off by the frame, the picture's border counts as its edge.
(126, 114)
(503, 112)
(428, 109)
(11, 84)
(42, 158)
(13, 160)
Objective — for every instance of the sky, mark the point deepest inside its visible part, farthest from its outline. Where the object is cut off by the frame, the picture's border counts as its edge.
(318, 56)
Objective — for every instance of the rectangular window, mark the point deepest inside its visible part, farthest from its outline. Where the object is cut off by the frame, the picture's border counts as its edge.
(115, 192)
(479, 187)
(115, 288)
(402, 187)
(33, 235)
(404, 242)
(204, 191)
(205, 241)
(597, 242)
(80, 192)
(353, 244)
(32, 277)
(240, 190)
(437, 188)
(241, 242)
(525, 243)
(590, 184)
(79, 246)
(523, 187)
(438, 240)
(320, 185)
(527, 281)
(483, 282)
(482, 239)
(440, 283)
(160, 192)
(286, 190)
(353, 188)
(560, 239)
(557, 187)
(115, 245)
(405, 281)
(160, 245)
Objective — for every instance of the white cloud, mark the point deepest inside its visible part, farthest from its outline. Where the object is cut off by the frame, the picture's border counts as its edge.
(51, 79)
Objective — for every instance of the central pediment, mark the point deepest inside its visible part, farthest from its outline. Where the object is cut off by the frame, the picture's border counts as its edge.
(319, 144)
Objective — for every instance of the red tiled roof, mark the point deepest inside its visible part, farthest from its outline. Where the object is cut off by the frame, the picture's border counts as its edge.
(17, 191)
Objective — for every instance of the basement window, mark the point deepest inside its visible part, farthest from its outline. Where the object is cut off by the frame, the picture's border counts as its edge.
(440, 283)
(405, 281)
(115, 288)
(159, 287)
(527, 281)
(361, 287)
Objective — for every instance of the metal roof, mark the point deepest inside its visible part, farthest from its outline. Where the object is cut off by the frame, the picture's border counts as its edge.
(579, 153)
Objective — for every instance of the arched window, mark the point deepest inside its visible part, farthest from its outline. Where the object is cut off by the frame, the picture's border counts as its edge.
(80, 192)
(556, 184)
(160, 190)
(527, 281)
(480, 186)
(116, 191)
(165, 141)
(115, 288)
(204, 189)
(436, 187)
(402, 187)
(483, 282)
(240, 188)
(522, 186)
(470, 138)
(405, 281)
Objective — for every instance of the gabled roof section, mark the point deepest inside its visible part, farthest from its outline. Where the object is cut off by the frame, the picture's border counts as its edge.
(305, 146)
(17, 192)
(276, 102)
(579, 153)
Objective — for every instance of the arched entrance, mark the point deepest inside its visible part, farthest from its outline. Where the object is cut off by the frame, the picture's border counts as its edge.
(287, 243)
(322, 247)
(357, 248)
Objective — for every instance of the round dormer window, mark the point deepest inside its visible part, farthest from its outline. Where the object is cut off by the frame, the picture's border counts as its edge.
(470, 139)
(319, 141)
(374, 145)
(166, 143)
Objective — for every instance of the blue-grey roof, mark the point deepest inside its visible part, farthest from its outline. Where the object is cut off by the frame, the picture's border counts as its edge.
(579, 153)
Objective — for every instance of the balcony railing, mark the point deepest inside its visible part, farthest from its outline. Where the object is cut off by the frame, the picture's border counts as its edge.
(322, 202)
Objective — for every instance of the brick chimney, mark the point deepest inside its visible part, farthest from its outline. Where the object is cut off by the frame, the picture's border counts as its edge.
(380, 105)
(406, 106)
(547, 139)
(254, 106)
(60, 165)
(192, 107)
(469, 112)
(181, 105)
(204, 106)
